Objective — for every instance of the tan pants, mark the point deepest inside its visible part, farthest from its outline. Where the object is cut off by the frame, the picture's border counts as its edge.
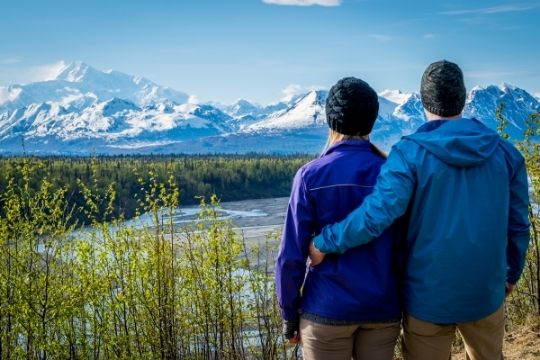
(361, 342)
(427, 341)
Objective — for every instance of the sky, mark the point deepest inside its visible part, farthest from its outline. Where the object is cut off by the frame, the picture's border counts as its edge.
(264, 50)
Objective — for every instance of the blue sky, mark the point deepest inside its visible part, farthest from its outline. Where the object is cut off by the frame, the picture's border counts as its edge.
(222, 50)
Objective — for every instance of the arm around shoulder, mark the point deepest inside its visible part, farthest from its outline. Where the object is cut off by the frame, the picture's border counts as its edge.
(389, 200)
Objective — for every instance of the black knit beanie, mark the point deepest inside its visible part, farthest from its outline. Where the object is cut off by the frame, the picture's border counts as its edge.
(352, 107)
(442, 89)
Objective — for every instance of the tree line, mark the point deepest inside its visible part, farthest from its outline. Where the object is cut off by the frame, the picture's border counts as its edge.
(230, 177)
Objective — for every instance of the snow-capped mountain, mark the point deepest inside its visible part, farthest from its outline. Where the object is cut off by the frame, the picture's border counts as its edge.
(304, 112)
(78, 85)
(395, 96)
(84, 110)
(482, 104)
(114, 122)
(247, 113)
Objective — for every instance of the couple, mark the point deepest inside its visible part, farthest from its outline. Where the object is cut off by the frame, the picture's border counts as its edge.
(442, 223)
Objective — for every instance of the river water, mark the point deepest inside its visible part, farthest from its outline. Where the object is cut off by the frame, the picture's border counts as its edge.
(254, 219)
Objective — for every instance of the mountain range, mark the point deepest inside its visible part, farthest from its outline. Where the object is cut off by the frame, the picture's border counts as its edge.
(87, 111)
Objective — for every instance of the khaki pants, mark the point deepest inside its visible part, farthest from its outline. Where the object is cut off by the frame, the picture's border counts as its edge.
(361, 342)
(483, 338)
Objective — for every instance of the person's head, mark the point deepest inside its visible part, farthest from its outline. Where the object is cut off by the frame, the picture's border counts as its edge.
(442, 90)
(352, 107)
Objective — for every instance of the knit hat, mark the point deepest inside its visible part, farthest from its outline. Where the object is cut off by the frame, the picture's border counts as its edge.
(352, 107)
(442, 89)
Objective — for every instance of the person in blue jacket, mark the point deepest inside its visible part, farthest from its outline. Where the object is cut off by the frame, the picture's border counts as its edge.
(348, 306)
(464, 191)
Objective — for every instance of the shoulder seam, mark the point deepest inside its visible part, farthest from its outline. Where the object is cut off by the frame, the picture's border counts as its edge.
(340, 185)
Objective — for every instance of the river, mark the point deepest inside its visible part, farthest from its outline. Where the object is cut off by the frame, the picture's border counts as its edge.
(254, 219)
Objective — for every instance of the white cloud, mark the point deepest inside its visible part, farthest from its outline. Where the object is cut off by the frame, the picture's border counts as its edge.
(10, 60)
(46, 72)
(7, 95)
(290, 91)
(28, 74)
(4, 95)
(193, 99)
(537, 95)
(304, 2)
(429, 36)
(492, 10)
(294, 89)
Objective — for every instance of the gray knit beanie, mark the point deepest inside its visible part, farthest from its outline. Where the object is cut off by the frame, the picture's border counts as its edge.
(442, 90)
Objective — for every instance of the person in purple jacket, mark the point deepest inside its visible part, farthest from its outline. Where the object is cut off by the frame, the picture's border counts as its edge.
(349, 305)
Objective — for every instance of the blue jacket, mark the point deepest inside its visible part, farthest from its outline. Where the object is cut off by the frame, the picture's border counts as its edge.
(357, 286)
(465, 193)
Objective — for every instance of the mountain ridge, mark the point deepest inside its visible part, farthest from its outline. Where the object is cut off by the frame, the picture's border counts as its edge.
(84, 110)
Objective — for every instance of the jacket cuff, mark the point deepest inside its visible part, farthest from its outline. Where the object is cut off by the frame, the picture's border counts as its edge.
(321, 243)
(290, 328)
(512, 278)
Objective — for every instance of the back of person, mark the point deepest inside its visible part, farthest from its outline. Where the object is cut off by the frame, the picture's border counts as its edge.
(359, 285)
(348, 307)
(463, 174)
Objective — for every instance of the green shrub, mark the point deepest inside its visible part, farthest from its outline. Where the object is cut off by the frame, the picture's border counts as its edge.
(111, 290)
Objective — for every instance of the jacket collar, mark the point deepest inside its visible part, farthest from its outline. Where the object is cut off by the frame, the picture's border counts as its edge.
(351, 144)
(435, 124)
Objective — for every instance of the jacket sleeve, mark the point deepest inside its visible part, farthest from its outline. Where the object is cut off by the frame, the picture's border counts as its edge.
(518, 224)
(389, 200)
(291, 262)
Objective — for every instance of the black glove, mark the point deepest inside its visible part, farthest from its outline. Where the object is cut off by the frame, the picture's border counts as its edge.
(290, 328)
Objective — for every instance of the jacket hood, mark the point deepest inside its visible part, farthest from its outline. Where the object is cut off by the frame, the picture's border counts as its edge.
(460, 143)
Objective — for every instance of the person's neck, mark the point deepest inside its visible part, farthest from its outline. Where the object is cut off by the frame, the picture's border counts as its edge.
(432, 117)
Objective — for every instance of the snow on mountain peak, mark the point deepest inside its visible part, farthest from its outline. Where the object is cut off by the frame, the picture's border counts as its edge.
(313, 97)
(242, 107)
(411, 110)
(475, 89)
(74, 71)
(85, 85)
(395, 96)
(506, 87)
(483, 103)
(84, 108)
(308, 111)
(116, 105)
(244, 102)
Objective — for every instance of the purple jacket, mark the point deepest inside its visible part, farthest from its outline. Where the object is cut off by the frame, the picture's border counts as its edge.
(358, 286)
